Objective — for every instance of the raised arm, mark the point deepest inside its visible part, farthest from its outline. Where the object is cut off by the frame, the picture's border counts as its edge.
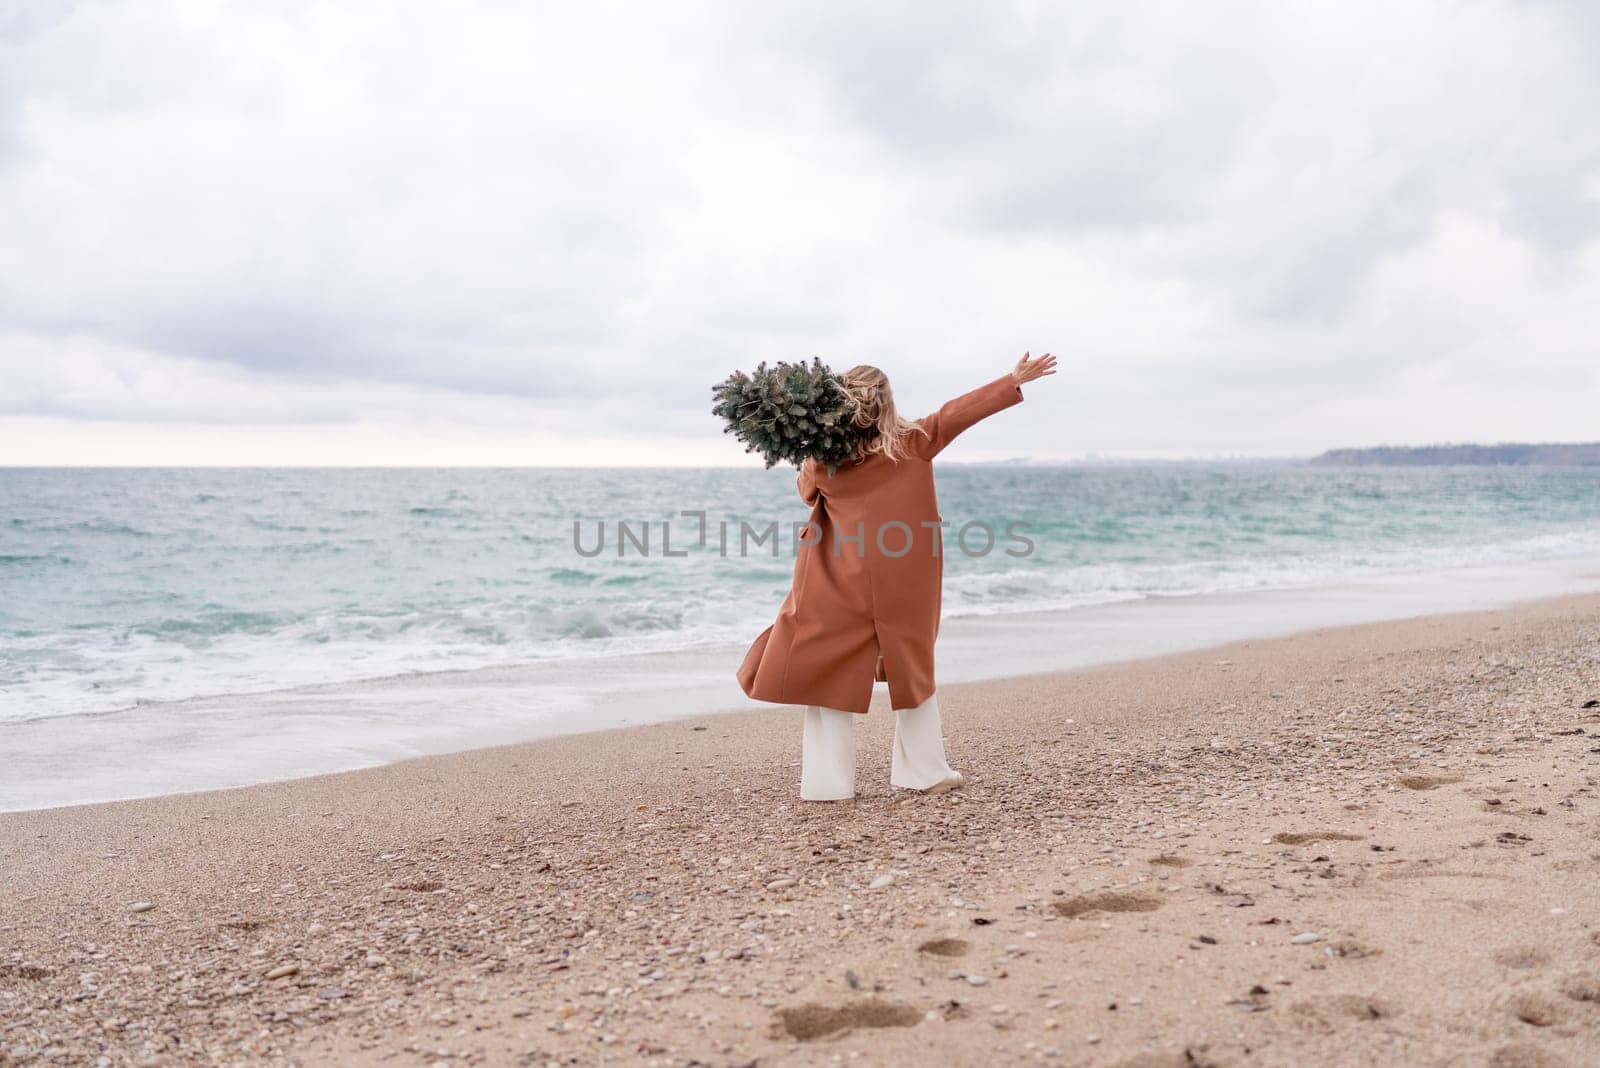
(943, 425)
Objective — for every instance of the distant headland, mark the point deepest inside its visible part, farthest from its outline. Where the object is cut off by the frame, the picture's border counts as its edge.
(1512, 455)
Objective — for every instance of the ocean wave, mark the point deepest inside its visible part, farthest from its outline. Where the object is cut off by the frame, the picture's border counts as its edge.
(91, 526)
(570, 576)
(345, 585)
(211, 624)
(1018, 590)
(275, 526)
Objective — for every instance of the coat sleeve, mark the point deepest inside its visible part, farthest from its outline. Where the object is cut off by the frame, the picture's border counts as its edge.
(806, 483)
(941, 428)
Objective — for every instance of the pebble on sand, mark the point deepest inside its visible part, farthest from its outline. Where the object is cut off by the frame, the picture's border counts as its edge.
(283, 971)
(781, 884)
(1305, 938)
(141, 906)
(880, 882)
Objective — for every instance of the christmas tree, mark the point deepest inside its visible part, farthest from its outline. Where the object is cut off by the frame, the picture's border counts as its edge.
(789, 412)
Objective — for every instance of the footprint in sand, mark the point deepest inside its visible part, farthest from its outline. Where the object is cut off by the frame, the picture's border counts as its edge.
(1307, 837)
(1536, 1010)
(1585, 988)
(423, 886)
(1325, 1014)
(1171, 860)
(1106, 901)
(1426, 782)
(809, 1022)
(1522, 958)
(1484, 906)
(945, 947)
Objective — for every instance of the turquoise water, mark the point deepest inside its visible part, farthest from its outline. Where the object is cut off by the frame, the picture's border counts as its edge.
(122, 588)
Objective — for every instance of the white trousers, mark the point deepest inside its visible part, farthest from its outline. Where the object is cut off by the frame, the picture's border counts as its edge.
(828, 752)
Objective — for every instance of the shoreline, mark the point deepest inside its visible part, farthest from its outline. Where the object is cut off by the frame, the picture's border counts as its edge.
(1364, 844)
(233, 741)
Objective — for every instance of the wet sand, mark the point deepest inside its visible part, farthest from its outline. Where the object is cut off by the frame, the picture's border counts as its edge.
(1374, 844)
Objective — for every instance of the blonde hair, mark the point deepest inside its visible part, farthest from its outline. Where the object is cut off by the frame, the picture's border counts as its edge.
(873, 401)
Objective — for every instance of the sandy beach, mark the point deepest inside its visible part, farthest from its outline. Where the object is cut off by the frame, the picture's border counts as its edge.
(1376, 844)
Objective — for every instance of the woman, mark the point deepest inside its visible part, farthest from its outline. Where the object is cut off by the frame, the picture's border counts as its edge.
(864, 604)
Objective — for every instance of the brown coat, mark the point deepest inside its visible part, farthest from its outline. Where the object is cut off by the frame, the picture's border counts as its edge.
(867, 576)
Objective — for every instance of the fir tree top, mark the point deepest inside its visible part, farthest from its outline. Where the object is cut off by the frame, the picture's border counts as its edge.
(789, 412)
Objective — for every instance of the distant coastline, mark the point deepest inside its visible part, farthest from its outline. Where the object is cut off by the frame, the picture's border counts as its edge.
(1506, 455)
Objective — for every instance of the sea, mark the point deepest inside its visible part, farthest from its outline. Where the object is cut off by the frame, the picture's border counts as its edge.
(166, 630)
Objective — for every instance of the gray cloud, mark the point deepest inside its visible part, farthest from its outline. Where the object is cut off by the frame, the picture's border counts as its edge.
(1054, 120)
(1242, 148)
(1216, 208)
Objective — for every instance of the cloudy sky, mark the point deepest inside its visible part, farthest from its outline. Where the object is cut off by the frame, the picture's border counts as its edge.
(536, 233)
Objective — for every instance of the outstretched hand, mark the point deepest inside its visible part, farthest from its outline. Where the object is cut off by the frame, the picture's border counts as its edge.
(1029, 369)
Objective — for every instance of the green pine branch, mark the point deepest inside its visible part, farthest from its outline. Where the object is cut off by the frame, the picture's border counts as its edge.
(789, 413)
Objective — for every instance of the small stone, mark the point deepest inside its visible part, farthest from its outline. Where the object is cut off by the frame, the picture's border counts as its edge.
(978, 980)
(1093, 1040)
(1305, 938)
(880, 882)
(283, 971)
(141, 906)
(782, 883)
